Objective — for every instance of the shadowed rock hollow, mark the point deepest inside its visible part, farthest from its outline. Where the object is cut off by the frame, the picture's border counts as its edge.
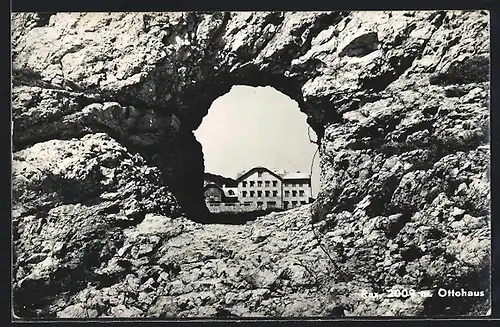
(107, 175)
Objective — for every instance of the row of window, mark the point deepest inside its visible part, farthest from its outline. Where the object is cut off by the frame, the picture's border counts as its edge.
(270, 204)
(268, 184)
(294, 193)
(268, 193)
(294, 203)
(259, 194)
(295, 184)
(259, 183)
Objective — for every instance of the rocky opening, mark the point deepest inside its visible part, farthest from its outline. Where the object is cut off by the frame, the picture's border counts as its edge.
(188, 169)
(256, 127)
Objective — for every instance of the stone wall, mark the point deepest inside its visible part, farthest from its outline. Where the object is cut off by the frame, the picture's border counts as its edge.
(400, 101)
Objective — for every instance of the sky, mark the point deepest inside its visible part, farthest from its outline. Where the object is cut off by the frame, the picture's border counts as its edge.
(257, 126)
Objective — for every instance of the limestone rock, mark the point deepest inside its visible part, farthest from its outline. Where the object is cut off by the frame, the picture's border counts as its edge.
(108, 176)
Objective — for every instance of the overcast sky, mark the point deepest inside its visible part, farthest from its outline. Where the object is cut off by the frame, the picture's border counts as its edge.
(257, 126)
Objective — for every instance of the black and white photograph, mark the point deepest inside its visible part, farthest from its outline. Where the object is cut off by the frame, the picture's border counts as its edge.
(227, 165)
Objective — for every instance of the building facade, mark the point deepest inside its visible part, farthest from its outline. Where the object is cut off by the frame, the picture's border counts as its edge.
(267, 189)
(296, 190)
(260, 187)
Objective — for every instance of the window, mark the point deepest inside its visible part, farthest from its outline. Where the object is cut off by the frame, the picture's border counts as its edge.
(268, 193)
(259, 183)
(275, 193)
(259, 174)
(285, 204)
(259, 194)
(268, 183)
(252, 193)
(259, 204)
(230, 192)
(244, 184)
(247, 203)
(275, 183)
(252, 183)
(271, 204)
(294, 193)
(294, 204)
(244, 194)
(301, 193)
(303, 202)
(287, 193)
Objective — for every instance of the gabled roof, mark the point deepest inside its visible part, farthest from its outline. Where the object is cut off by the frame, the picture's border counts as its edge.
(208, 185)
(255, 169)
(224, 190)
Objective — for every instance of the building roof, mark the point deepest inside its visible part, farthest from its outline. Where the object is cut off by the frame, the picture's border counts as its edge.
(227, 192)
(239, 178)
(210, 185)
(297, 176)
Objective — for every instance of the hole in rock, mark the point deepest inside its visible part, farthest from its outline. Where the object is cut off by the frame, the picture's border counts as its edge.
(259, 155)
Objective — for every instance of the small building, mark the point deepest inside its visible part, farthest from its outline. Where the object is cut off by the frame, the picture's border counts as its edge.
(215, 195)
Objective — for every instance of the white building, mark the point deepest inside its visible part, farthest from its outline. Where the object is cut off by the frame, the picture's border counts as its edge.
(267, 189)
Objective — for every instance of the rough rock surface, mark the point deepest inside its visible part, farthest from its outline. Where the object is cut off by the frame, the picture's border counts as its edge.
(104, 105)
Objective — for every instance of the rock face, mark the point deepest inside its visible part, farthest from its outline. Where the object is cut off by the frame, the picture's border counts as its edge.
(104, 105)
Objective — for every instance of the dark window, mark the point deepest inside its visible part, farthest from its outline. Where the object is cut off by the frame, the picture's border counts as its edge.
(303, 202)
(294, 193)
(301, 193)
(287, 193)
(230, 192)
(285, 204)
(267, 193)
(252, 183)
(259, 183)
(259, 194)
(259, 174)
(268, 183)
(259, 204)
(271, 204)
(252, 193)
(247, 203)
(275, 193)
(244, 194)
(294, 203)
(275, 183)
(244, 184)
